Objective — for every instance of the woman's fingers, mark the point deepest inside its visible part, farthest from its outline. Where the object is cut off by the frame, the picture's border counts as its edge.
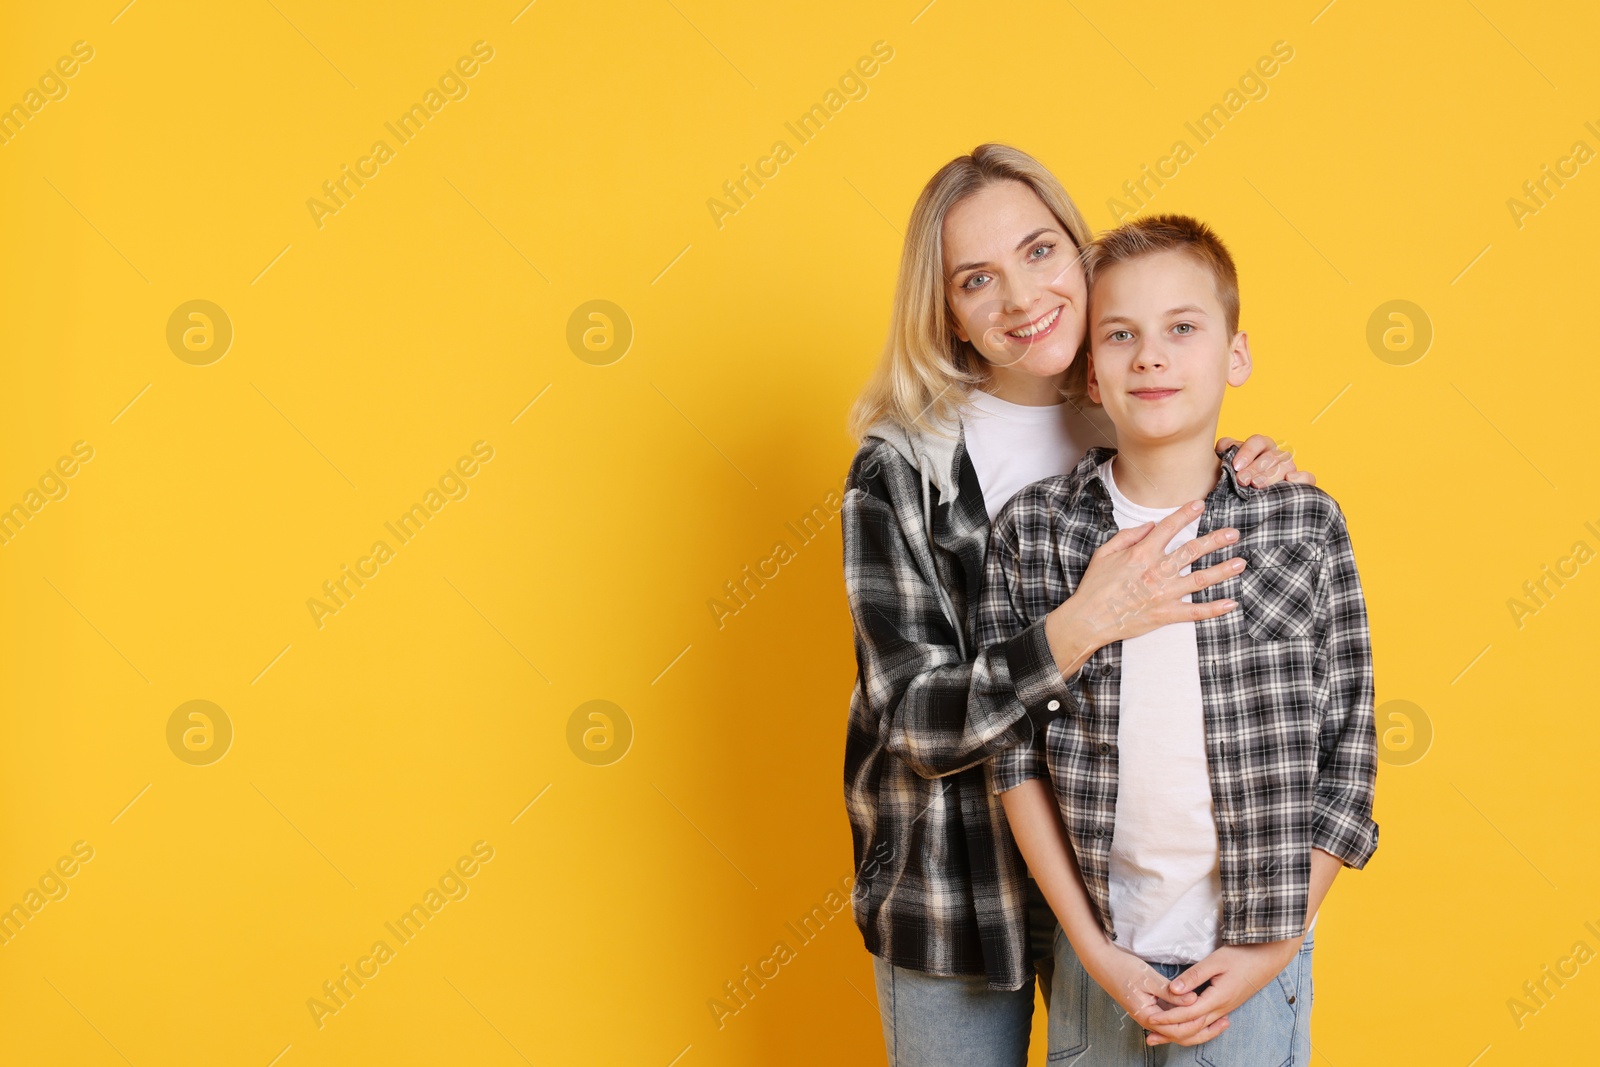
(1186, 554)
(1169, 527)
(1254, 447)
(1265, 469)
(1159, 537)
(1209, 610)
(1214, 574)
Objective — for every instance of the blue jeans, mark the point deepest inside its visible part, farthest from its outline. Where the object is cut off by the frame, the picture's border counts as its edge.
(932, 1020)
(1089, 1029)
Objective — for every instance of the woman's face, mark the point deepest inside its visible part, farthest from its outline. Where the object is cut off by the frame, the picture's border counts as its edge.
(1013, 281)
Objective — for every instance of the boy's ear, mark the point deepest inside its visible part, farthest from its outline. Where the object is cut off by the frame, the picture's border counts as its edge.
(1239, 359)
(1092, 383)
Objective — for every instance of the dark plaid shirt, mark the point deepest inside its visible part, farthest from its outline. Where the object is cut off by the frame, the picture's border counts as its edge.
(1285, 682)
(940, 886)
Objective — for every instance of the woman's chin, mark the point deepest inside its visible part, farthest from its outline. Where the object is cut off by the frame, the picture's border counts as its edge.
(1045, 363)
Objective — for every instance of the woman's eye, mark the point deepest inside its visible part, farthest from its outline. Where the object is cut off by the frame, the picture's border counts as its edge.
(968, 284)
(1043, 246)
(1184, 327)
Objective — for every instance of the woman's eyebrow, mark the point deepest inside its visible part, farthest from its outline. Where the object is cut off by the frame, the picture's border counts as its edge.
(1020, 246)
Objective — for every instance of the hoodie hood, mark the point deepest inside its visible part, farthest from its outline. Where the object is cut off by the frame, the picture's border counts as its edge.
(932, 455)
(934, 459)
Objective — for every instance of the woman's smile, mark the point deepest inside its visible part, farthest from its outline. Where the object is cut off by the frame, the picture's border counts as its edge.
(1038, 329)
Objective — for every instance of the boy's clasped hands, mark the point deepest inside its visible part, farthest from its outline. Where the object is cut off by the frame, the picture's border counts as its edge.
(1171, 1011)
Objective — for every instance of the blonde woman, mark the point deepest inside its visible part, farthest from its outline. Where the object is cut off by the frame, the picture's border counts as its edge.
(979, 392)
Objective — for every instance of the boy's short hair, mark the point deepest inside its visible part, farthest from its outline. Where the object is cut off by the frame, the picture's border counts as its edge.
(1164, 233)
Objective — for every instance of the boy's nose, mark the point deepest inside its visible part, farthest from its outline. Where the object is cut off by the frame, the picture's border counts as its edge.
(1150, 356)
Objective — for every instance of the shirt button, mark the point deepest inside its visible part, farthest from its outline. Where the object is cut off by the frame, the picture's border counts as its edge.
(1099, 831)
(1104, 748)
(1054, 705)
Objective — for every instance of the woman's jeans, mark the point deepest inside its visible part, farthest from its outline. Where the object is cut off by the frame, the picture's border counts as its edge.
(1089, 1029)
(935, 1021)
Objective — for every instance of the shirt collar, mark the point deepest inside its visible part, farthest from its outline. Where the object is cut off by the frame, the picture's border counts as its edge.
(1087, 475)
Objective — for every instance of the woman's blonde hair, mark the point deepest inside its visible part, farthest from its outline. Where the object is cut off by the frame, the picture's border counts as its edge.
(925, 369)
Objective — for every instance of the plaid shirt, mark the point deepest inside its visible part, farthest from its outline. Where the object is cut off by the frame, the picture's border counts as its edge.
(940, 885)
(1285, 682)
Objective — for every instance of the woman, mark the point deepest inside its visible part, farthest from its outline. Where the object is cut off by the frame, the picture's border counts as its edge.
(977, 394)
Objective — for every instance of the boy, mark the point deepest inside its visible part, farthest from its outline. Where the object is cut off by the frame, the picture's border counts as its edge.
(1213, 774)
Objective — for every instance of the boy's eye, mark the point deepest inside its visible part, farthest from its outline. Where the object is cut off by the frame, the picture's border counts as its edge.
(1119, 335)
(968, 283)
(1184, 327)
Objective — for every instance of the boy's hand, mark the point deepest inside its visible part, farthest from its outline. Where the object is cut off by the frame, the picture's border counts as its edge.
(1236, 972)
(1260, 462)
(1143, 993)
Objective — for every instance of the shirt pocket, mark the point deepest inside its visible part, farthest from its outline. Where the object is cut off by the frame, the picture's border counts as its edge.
(1278, 589)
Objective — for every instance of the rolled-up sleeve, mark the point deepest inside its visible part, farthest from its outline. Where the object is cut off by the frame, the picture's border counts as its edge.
(1347, 769)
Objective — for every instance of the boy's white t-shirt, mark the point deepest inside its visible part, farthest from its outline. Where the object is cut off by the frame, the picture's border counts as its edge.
(1013, 445)
(1166, 882)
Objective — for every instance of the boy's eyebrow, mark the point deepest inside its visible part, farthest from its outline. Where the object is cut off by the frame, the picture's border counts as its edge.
(1184, 309)
(1020, 246)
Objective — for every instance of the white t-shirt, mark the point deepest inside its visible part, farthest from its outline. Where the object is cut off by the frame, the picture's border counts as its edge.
(1166, 883)
(1013, 445)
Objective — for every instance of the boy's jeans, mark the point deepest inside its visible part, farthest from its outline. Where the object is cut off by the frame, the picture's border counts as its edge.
(1089, 1029)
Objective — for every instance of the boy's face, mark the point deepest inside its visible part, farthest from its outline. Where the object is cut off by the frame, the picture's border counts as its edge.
(1161, 355)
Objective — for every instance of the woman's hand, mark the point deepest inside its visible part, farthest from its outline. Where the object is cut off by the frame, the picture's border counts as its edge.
(1260, 462)
(1132, 586)
(1145, 995)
